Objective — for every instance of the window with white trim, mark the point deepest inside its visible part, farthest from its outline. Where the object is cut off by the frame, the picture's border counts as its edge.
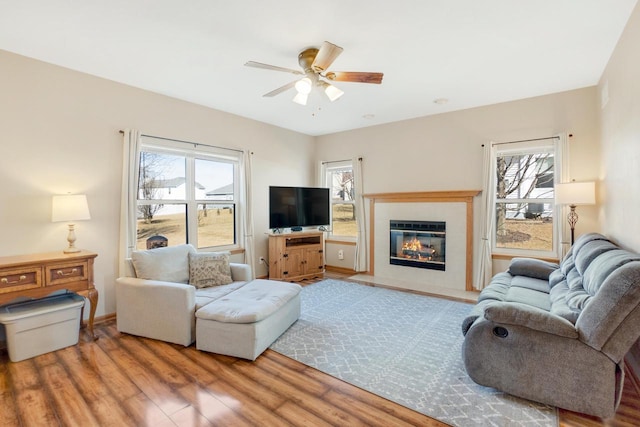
(338, 177)
(524, 210)
(187, 193)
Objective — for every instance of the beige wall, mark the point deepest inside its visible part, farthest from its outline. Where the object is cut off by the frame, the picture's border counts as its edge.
(620, 146)
(443, 152)
(620, 139)
(59, 134)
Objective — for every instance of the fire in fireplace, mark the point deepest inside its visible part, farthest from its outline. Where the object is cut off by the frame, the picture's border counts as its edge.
(420, 244)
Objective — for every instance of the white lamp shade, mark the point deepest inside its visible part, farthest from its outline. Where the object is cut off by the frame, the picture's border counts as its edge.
(304, 85)
(575, 193)
(72, 207)
(301, 98)
(333, 92)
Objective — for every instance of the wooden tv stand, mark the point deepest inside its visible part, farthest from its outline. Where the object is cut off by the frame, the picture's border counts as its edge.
(296, 256)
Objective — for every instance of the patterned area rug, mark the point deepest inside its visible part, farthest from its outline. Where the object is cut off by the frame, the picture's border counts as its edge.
(401, 346)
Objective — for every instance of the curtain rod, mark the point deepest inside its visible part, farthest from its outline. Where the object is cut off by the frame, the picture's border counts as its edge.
(524, 140)
(188, 142)
(340, 161)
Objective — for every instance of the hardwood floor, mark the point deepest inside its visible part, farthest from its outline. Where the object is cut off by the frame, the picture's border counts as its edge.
(122, 380)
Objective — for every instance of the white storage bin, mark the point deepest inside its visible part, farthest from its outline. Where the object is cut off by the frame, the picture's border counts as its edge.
(40, 326)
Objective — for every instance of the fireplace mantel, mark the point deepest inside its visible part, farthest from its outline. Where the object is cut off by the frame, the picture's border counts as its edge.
(459, 196)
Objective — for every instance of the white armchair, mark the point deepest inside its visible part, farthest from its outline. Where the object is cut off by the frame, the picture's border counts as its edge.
(165, 310)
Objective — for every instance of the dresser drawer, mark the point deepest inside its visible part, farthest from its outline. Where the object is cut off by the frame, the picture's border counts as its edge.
(18, 279)
(59, 274)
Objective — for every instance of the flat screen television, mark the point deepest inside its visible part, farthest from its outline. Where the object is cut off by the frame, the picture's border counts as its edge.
(298, 207)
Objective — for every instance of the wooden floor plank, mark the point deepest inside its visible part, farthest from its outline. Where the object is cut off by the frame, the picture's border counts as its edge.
(245, 404)
(70, 405)
(146, 412)
(240, 382)
(104, 405)
(144, 378)
(210, 407)
(9, 412)
(298, 416)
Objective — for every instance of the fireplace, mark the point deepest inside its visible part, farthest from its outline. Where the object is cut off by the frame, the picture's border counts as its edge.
(420, 244)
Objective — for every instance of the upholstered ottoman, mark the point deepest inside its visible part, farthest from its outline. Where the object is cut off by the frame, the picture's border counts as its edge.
(245, 322)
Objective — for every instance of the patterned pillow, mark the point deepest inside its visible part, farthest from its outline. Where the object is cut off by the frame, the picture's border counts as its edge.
(209, 269)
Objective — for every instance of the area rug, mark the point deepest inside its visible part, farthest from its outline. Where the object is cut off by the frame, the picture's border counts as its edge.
(403, 347)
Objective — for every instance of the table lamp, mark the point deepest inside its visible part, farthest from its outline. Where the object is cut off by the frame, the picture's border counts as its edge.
(71, 208)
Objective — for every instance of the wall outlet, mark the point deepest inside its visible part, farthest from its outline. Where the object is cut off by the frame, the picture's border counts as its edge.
(340, 254)
(262, 260)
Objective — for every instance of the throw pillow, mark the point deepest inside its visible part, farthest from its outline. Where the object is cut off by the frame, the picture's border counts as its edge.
(209, 269)
(169, 264)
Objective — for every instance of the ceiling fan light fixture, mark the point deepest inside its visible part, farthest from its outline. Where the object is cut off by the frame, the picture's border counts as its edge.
(303, 86)
(301, 98)
(332, 92)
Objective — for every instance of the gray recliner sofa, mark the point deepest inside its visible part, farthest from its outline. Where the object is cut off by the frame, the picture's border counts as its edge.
(558, 334)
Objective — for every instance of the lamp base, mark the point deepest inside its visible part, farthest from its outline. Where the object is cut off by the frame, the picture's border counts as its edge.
(71, 238)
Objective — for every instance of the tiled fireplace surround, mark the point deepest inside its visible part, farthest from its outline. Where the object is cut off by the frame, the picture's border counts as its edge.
(453, 207)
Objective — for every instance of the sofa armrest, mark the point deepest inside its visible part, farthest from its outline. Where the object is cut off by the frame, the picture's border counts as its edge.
(240, 272)
(530, 317)
(532, 267)
(156, 309)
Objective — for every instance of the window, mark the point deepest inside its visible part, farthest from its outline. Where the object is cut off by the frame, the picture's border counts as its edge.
(525, 218)
(339, 179)
(188, 194)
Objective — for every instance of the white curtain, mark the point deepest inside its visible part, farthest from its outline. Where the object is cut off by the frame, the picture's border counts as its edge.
(485, 269)
(562, 159)
(361, 256)
(247, 217)
(128, 197)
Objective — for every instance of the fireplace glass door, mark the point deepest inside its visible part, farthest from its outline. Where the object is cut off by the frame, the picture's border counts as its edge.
(420, 244)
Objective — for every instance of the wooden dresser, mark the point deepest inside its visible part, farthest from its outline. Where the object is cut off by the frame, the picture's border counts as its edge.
(38, 275)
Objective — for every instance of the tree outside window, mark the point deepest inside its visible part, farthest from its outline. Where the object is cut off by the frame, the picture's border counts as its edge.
(343, 215)
(524, 201)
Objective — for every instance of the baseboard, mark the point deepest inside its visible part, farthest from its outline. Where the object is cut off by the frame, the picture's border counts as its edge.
(342, 270)
(105, 318)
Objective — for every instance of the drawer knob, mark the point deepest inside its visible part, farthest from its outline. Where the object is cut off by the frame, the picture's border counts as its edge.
(62, 273)
(7, 282)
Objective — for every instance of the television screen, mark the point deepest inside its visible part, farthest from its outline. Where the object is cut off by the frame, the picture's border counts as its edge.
(298, 207)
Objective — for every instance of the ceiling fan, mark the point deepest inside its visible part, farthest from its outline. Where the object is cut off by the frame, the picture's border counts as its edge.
(314, 63)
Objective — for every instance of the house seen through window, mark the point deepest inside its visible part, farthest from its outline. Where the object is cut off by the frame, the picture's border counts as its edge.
(186, 196)
(525, 214)
(339, 179)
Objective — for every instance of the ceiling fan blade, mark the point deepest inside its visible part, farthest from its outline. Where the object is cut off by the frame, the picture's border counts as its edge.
(255, 64)
(326, 55)
(355, 76)
(281, 89)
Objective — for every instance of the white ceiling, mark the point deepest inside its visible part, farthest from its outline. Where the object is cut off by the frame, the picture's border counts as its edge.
(471, 52)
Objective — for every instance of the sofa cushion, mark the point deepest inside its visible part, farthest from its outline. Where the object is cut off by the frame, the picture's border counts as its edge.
(169, 264)
(251, 303)
(499, 287)
(529, 296)
(559, 306)
(530, 283)
(206, 295)
(209, 269)
(589, 252)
